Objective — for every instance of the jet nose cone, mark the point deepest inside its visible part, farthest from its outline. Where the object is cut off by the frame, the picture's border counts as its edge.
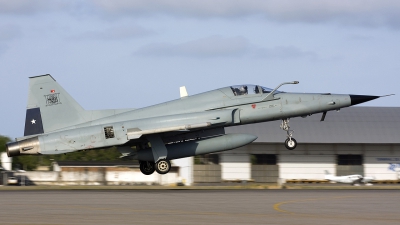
(358, 99)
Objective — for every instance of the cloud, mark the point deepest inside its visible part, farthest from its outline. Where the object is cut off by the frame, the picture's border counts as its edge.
(9, 32)
(217, 46)
(214, 46)
(283, 52)
(30, 7)
(355, 12)
(115, 33)
(367, 13)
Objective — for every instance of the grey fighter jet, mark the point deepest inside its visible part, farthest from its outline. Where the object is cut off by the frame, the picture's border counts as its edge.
(192, 125)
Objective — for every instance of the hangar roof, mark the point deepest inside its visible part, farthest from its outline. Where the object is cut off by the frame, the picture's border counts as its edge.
(374, 125)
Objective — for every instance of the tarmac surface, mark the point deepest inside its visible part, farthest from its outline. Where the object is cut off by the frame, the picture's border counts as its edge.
(180, 206)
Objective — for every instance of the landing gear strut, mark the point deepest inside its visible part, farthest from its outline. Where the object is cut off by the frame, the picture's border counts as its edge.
(163, 166)
(290, 142)
(147, 167)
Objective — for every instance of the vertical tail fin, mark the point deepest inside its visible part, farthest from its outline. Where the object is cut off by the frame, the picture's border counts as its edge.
(50, 107)
(328, 176)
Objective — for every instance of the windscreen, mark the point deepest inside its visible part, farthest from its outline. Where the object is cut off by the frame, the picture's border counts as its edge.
(247, 89)
(268, 90)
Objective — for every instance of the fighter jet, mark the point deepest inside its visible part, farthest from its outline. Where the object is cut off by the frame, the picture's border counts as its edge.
(354, 179)
(191, 125)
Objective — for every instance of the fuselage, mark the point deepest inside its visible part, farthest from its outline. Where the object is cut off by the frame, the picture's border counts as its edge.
(219, 108)
(251, 108)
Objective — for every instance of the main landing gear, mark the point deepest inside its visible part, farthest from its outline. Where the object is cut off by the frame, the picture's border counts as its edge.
(163, 166)
(290, 142)
(147, 167)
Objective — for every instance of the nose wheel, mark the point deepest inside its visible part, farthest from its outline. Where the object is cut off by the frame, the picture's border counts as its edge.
(163, 166)
(290, 142)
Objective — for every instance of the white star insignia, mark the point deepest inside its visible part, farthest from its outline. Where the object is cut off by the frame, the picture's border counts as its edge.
(33, 121)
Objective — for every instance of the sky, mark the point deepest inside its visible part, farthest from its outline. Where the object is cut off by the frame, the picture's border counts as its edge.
(137, 53)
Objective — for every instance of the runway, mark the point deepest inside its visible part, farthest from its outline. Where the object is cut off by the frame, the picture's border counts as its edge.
(200, 207)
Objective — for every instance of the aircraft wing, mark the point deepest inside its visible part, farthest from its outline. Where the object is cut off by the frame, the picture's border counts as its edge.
(135, 133)
(181, 123)
(367, 179)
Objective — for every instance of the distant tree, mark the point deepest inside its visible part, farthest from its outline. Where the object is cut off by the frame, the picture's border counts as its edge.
(108, 154)
(31, 162)
(3, 141)
(26, 162)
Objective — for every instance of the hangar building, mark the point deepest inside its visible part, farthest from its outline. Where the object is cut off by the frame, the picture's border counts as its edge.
(355, 140)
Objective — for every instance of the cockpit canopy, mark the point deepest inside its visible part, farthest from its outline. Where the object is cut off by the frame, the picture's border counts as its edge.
(250, 89)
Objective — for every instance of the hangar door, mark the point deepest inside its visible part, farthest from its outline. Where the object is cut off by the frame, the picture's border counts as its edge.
(206, 169)
(349, 164)
(264, 168)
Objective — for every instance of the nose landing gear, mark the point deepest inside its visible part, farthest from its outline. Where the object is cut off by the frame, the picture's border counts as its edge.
(290, 142)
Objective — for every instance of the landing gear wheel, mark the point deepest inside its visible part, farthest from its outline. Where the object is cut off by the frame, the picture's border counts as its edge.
(290, 143)
(163, 166)
(146, 167)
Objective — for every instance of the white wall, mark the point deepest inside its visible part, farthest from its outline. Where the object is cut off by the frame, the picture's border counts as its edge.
(88, 176)
(305, 162)
(6, 161)
(40, 175)
(133, 176)
(382, 162)
(235, 166)
(185, 169)
(310, 161)
(309, 167)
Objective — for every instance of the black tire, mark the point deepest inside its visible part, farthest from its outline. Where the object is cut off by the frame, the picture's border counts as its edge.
(147, 168)
(290, 144)
(163, 166)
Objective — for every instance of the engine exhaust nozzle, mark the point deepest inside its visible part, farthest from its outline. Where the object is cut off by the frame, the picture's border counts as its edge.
(12, 149)
(29, 146)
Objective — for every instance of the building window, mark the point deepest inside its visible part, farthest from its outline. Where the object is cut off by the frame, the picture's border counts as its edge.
(207, 159)
(349, 159)
(263, 159)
